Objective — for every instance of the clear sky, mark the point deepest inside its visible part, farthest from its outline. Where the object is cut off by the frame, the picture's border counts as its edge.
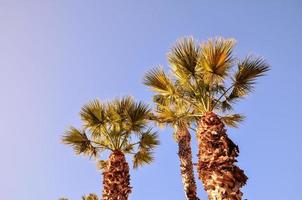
(56, 55)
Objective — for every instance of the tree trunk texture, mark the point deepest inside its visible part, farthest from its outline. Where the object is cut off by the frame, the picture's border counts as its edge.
(116, 178)
(186, 165)
(221, 178)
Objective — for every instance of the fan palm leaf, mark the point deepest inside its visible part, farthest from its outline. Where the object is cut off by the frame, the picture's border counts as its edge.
(215, 59)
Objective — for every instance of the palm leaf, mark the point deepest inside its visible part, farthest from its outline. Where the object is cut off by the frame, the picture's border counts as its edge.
(101, 164)
(159, 82)
(148, 139)
(93, 115)
(138, 115)
(216, 59)
(245, 78)
(232, 120)
(183, 58)
(142, 157)
(80, 142)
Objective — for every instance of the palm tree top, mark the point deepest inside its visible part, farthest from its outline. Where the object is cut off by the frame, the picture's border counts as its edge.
(202, 78)
(120, 125)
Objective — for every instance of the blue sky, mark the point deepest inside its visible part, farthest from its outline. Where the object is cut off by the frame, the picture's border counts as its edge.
(57, 55)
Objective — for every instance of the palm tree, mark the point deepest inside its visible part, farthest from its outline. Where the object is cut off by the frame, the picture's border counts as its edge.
(119, 127)
(174, 111)
(202, 79)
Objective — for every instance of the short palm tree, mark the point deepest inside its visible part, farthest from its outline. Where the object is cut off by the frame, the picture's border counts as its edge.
(202, 78)
(119, 127)
(174, 111)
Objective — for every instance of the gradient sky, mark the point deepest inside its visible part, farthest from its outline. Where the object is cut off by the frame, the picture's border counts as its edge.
(57, 55)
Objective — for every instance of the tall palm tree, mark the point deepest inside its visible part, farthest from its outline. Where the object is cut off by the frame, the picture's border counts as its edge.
(119, 127)
(174, 111)
(202, 81)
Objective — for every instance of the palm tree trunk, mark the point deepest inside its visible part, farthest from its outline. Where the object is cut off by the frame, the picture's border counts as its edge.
(217, 154)
(116, 178)
(186, 165)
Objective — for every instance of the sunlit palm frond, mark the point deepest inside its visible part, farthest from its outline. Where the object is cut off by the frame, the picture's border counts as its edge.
(80, 142)
(161, 99)
(232, 120)
(216, 59)
(142, 157)
(183, 58)
(138, 115)
(148, 140)
(166, 114)
(94, 117)
(157, 80)
(245, 78)
(128, 115)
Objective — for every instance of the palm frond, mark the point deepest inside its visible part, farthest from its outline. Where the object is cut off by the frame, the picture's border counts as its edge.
(142, 157)
(93, 115)
(138, 115)
(157, 80)
(101, 164)
(232, 120)
(128, 115)
(166, 114)
(183, 58)
(128, 148)
(161, 99)
(80, 142)
(245, 78)
(216, 59)
(226, 106)
(148, 139)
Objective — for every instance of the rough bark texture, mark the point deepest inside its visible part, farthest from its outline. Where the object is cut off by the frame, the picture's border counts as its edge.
(217, 154)
(116, 178)
(186, 165)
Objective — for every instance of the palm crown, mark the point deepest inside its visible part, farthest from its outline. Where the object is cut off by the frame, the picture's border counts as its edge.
(199, 77)
(120, 125)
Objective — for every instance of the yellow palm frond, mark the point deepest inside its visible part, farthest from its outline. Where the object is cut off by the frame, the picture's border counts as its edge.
(232, 120)
(157, 80)
(80, 142)
(183, 59)
(216, 59)
(245, 78)
(94, 117)
(142, 157)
